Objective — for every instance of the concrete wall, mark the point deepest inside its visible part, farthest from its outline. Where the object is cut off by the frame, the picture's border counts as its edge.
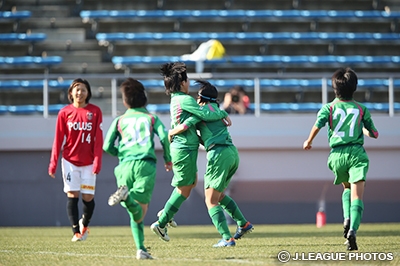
(277, 181)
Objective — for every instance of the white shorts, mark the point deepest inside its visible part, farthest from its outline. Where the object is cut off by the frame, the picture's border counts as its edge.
(78, 178)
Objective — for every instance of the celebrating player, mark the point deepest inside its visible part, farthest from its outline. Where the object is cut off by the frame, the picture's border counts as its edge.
(222, 163)
(136, 172)
(184, 148)
(348, 122)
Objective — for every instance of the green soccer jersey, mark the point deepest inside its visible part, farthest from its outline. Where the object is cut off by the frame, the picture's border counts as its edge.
(346, 120)
(134, 131)
(212, 133)
(184, 106)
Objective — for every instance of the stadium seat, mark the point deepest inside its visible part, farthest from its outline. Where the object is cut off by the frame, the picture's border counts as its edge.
(53, 108)
(86, 15)
(258, 59)
(22, 109)
(246, 36)
(22, 37)
(315, 107)
(3, 109)
(158, 108)
(13, 15)
(30, 109)
(10, 84)
(30, 60)
(266, 84)
(34, 84)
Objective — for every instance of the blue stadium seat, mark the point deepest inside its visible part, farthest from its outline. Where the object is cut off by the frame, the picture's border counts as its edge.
(13, 37)
(246, 36)
(22, 109)
(53, 108)
(9, 84)
(158, 108)
(229, 83)
(3, 109)
(34, 84)
(267, 59)
(323, 59)
(265, 84)
(151, 83)
(315, 14)
(315, 107)
(30, 60)
(15, 15)
(237, 14)
(340, 14)
(351, 59)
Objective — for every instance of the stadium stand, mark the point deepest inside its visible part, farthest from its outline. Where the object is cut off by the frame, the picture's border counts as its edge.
(14, 17)
(29, 109)
(87, 15)
(34, 84)
(30, 61)
(276, 40)
(247, 36)
(22, 37)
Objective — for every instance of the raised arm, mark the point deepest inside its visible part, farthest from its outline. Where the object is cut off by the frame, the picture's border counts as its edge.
(206, 113)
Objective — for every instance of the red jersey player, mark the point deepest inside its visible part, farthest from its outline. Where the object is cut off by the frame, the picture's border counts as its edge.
(80, 125)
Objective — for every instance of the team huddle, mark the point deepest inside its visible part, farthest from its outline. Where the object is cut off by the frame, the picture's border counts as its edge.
(194, 122)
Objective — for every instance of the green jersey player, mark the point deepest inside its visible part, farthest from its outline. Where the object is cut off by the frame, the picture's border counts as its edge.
(136, 172)
(184, 148)
(222, 163)
(348, 121)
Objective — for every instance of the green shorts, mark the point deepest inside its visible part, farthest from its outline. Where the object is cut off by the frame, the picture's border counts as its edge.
(139, 176)
(222, 163)
(184, 166)
(348, 163)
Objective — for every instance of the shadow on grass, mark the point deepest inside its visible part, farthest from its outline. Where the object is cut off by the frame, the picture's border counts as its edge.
(291, 234)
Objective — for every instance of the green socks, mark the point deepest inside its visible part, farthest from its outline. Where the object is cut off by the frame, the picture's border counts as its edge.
(218, 218)
(356, 211)
(231, 208)
(171, 208)
(133, 208)
(346, 203)
(138, 234)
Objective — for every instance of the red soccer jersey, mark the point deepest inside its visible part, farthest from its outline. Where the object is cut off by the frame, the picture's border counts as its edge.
(82, 130)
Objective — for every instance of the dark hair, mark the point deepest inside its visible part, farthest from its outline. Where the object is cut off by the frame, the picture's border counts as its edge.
(207, 92)
(133, 93)
(76, 82)
(344, 83)
(174, 74)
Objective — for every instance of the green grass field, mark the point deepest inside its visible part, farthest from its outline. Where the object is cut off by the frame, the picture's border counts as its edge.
(192, 245)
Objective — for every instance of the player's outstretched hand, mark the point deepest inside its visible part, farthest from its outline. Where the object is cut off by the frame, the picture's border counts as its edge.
(52, 175)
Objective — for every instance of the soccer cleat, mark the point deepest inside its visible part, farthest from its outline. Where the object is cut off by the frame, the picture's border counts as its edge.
(346, 227)
(225, 243)
(77, 237)
(171, 222)
(161, 232)
(351, 238)
(143, 255)
(240, 231)
(83, 229)
(120, 195)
